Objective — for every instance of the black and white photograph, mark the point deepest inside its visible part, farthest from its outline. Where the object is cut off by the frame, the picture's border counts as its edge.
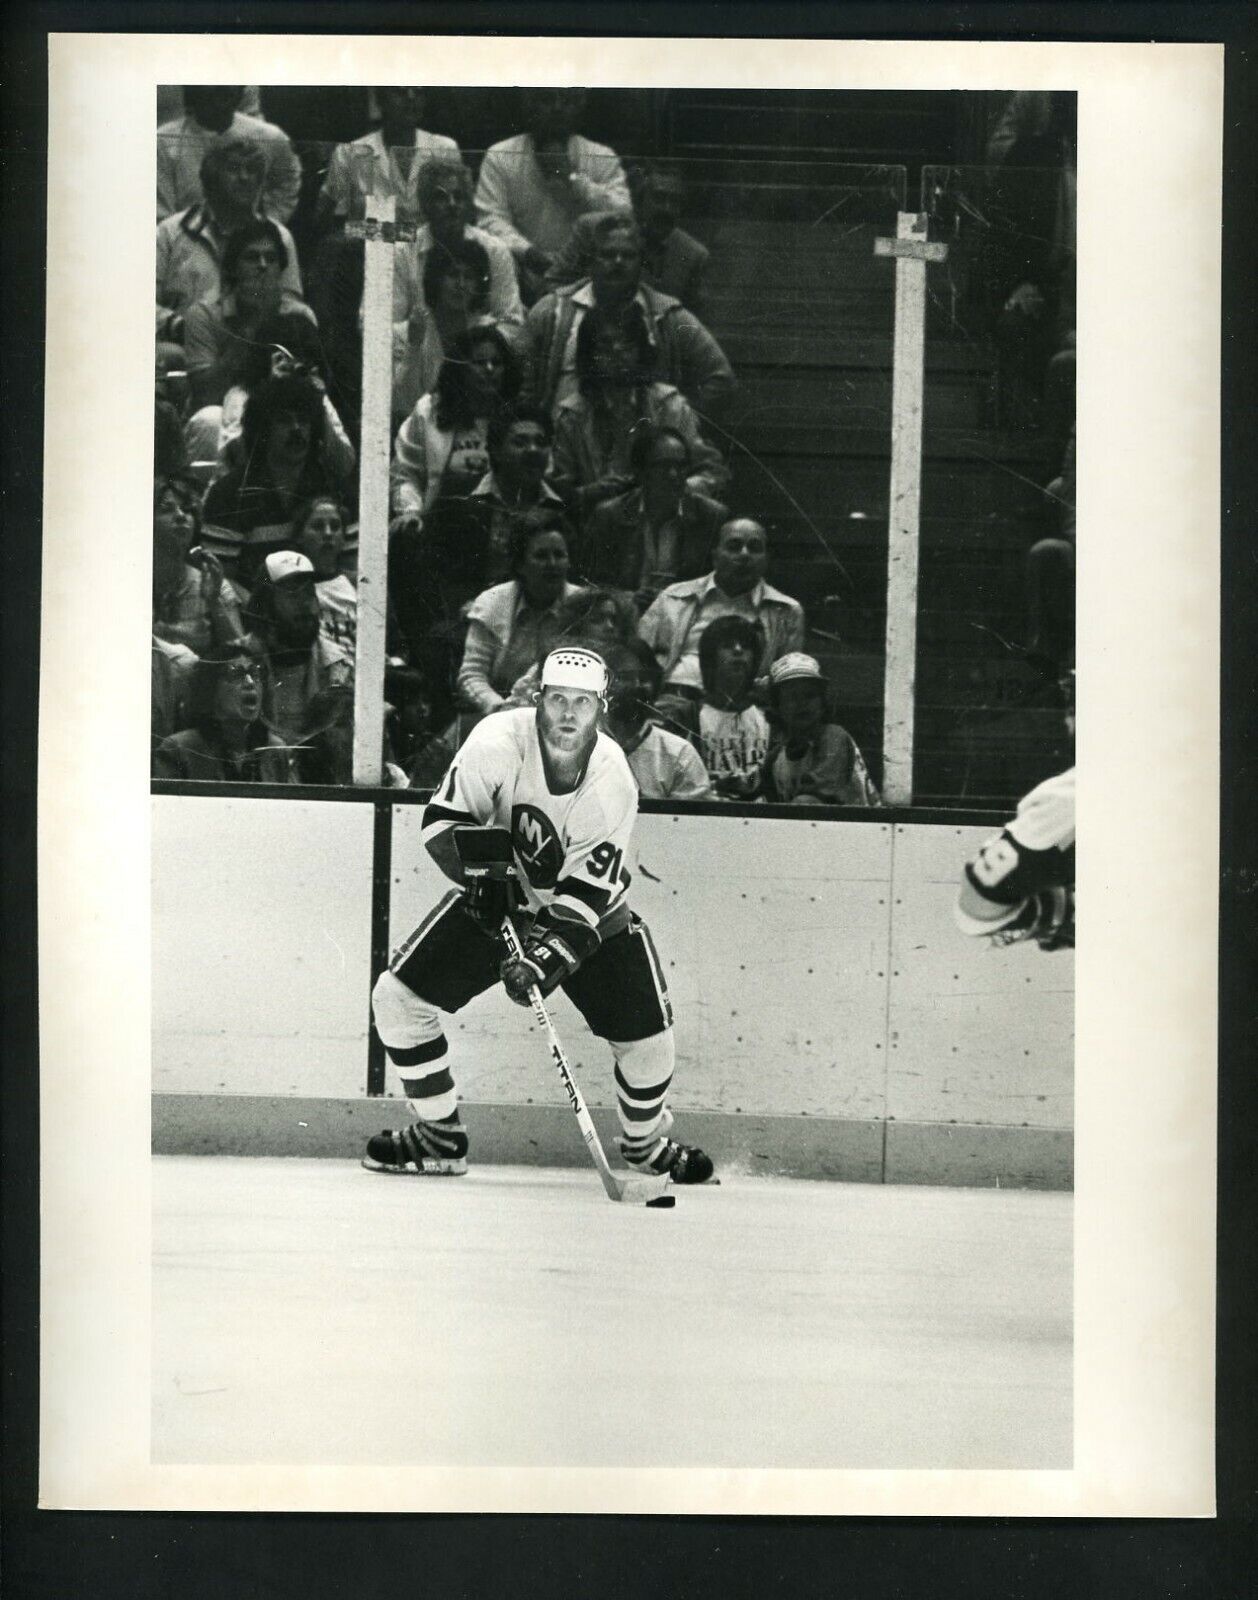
(612, 749)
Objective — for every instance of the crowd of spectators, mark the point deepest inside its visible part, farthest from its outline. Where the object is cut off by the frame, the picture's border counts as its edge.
(1031, 154)
(558, 468)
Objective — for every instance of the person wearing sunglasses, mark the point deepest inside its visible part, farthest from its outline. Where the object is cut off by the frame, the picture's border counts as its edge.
(227, 740)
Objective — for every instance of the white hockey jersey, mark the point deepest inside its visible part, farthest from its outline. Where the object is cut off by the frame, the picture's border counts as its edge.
(570, 847)
(1046, 817)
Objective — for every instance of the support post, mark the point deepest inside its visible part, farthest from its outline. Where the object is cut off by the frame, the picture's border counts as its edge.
(911, 252)
(379, 234)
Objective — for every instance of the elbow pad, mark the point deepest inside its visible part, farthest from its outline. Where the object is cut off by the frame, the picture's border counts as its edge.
(1005, 872)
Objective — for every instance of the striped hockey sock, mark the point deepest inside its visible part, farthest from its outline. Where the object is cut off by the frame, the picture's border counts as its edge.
(426, 1078)
(643, 1073)
(410, 1030)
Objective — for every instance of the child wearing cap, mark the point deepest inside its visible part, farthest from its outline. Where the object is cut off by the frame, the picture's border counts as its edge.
(283, 613)
(812, 761)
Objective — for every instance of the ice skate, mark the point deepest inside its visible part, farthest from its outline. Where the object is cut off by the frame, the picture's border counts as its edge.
(682, 1163)
(424, 1150)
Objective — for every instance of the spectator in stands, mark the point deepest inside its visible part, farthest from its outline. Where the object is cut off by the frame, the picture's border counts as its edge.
(212, 116)
(510, 624)
(219, 332)
(335, 279)
(673, 261)
(475, 533)
(684, 353)
(1050, 580)
(318, 533)
(170, 104)
(1032, 258)
(442, 447)
(464, 546)
(170, 458)
(811, 761)
(665, 766)
(727, 728)
(252, 506)
(659, 531)
(283, 616)
(616, 395)
(326, 753)
(227, 740)
(594, 619)
(444, 195)
(286, 345)
(456, 295)
(675, 623)
(172, 670)
(190, 243)
(388, 161)
(193, 604)
(533, 186)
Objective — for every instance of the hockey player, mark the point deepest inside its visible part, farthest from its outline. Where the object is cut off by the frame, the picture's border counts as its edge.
(552, 795)
(1021, 884)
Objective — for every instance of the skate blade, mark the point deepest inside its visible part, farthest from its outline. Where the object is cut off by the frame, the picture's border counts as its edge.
(430, 1169)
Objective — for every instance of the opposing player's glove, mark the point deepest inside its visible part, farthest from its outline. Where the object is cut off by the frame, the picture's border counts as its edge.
(546, 962)
(1048, 917)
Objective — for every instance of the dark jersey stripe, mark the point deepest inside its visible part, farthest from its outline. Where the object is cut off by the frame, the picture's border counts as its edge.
(588, 893)
(434, 812)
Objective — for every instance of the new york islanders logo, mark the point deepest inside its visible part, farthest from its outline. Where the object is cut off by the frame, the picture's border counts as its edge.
(537, 845)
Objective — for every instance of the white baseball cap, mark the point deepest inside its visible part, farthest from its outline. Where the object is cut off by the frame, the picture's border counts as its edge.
(282, 564)
(573, 668)
(795, 665)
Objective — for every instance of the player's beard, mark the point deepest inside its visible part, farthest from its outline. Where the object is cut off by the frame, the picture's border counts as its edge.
(560, 745)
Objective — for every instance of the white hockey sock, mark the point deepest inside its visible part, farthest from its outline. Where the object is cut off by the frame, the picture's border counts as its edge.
(411, 1033)
(643, 1073)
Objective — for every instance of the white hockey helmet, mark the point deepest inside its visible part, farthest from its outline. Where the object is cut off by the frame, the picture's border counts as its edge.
(573, 667)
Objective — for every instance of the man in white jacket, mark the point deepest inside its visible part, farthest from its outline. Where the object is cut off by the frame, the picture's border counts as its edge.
(212, 118)
(534, 186)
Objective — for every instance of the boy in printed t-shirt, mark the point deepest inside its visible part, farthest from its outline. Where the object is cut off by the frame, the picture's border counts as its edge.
(725, 725)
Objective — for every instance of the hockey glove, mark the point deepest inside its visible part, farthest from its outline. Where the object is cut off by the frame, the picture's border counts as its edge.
(546, 963)
(1047, 917)
(491, 889)
(485, 852)
(489, 900)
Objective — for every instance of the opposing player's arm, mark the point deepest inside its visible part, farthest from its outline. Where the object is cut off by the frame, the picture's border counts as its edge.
(1013, 891)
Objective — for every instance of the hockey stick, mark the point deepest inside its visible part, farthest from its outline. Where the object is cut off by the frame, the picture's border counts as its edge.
(636, 1190)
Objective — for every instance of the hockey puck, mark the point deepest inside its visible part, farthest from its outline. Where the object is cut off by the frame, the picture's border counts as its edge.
(663, 1200)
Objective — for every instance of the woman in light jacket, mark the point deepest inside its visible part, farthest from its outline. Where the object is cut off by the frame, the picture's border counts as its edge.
(442, 447)
(510, 625)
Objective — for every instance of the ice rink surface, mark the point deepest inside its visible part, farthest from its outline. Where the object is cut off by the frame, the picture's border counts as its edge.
(306, 1311)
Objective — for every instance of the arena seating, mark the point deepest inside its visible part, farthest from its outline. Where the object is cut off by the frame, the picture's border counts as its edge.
(789, 194)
